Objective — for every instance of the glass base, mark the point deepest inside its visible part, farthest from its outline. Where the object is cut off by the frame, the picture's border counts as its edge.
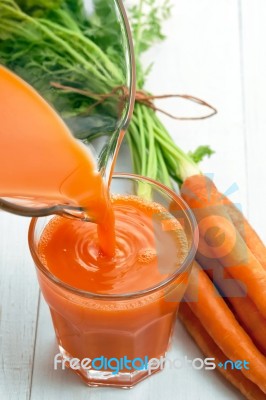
(95, 378)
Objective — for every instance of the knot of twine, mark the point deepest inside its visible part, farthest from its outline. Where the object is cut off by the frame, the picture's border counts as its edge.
(142, 97)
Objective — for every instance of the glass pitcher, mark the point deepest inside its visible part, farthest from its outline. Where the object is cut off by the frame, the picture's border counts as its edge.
(79, 57)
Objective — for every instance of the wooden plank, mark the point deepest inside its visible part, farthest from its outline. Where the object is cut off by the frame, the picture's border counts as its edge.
(253, 31)
(18, 305)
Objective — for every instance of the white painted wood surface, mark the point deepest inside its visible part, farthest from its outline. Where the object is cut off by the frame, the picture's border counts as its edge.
(216, 51)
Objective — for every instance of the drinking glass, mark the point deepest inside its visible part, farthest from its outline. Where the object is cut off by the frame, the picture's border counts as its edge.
(117, 339)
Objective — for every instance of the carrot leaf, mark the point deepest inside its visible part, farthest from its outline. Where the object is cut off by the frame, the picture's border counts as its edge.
(200, 153)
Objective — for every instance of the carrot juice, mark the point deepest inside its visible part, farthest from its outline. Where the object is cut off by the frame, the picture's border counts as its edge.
(119, 308)
(113, 281)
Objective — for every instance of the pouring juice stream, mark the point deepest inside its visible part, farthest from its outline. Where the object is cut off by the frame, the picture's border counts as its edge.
(41, 163)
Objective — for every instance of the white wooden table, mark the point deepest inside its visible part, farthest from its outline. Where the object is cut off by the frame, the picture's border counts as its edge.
(215, 50)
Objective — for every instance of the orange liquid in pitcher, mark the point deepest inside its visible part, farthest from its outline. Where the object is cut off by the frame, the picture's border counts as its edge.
(40, 161)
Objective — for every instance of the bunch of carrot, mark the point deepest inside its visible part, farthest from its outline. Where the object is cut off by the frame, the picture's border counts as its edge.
(225, 304)
(227, 318)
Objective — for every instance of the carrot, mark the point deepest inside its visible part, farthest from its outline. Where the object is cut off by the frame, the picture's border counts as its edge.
(219, 321)
(244, 309)
(210, 349)
(251, 238)
(220, 239)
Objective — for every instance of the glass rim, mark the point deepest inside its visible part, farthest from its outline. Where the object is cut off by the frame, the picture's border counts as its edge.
(140, 293)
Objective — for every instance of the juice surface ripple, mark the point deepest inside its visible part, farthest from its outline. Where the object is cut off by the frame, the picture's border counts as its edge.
(146, 252)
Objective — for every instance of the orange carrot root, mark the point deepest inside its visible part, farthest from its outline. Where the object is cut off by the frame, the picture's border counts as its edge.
(244, 309)
(220, 239)
(210, 349)
(219, 321)
(246, 231)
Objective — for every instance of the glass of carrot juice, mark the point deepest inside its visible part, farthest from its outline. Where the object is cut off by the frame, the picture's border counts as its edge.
(114, 317)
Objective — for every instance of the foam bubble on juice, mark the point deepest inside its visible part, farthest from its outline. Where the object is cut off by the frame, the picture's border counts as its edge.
(146, 255)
